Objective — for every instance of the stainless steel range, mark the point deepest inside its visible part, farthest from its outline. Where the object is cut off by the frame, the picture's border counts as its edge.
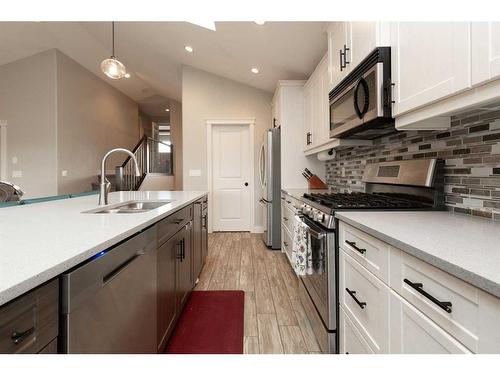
(399, 185)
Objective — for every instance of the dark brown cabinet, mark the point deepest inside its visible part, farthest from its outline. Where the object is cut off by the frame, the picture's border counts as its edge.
(29, 323)
(200, 236)
(184, 277)
(167, 295)
(175, 273)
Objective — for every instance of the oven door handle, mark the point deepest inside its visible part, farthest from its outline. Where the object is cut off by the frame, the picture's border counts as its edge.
(312, 232)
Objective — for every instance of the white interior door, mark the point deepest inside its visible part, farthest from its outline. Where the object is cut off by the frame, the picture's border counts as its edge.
(231, 173)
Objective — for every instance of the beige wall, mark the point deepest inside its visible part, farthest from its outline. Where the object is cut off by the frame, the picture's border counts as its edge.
(61, 117)
(207, 96)
(92, 117)
(176, 134)
(28, 104)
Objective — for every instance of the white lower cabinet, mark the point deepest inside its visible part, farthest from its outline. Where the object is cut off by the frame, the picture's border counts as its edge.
(352, 341)
(365, 300)
(418, 308)
(411, 332)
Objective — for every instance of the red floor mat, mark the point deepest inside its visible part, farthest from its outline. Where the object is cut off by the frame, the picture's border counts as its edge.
(211, 323)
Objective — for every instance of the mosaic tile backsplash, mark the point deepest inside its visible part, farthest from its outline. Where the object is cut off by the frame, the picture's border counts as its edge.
(470, 148)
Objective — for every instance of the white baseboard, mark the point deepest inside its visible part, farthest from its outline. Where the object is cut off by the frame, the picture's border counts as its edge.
(258, 229)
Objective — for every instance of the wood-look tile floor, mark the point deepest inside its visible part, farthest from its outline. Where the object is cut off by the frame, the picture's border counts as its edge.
(275, 321)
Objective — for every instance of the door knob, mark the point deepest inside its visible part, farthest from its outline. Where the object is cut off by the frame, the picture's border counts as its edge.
(246, 183)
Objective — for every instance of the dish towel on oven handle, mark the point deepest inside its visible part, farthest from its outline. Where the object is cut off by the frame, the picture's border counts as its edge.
(301, 249)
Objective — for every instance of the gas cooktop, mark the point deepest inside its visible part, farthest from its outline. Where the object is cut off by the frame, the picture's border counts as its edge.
(366, 201)
(398, 185)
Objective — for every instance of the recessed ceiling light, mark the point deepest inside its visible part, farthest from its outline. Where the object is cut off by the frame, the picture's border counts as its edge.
(127, 75)
(167, 109)
(254, 70)
(188, 49)
(260, 23)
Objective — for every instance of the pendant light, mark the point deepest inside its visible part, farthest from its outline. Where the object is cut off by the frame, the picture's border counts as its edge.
(112, 67)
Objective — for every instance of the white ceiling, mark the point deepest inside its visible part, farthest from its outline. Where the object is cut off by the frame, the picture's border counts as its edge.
(154, 54)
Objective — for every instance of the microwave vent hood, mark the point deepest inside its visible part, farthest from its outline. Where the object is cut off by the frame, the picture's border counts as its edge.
(360, 105)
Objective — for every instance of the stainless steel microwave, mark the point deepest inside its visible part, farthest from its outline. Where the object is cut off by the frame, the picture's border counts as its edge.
(360, 105)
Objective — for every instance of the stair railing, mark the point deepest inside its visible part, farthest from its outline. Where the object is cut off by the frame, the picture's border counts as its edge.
(150, 159)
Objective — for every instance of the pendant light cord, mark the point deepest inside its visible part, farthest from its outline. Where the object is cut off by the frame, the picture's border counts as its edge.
(113, 37)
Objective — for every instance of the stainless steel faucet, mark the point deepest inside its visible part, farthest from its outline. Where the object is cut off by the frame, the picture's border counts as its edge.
(105, 184)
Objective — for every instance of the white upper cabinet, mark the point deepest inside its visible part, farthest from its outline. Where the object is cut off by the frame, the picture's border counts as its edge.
(337, 39)
(485, 51)
(308, 114)
(316, 108)
(364, 37)
(350, 42)
(430, 61)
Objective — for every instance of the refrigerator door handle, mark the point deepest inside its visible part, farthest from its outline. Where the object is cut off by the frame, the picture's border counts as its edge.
(261, 171)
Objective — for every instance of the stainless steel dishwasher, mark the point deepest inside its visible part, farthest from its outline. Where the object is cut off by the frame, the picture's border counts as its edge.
(109, 302)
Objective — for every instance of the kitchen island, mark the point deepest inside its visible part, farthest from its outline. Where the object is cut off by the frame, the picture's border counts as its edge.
(97, 275)
(41, 241)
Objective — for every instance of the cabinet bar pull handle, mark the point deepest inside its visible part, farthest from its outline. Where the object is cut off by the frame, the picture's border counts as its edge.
(179, 254)
(177, 221)
(285, 219)
(345, 56)
(353, 245)
(352, 293)
(341, 61)
(110, 275)
(17, 337)
(446, 306)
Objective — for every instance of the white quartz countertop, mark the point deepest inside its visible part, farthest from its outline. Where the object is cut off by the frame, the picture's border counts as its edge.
(40, 241)
(464, 246)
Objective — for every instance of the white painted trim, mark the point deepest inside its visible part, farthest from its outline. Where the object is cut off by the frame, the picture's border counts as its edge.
(258, 229)
(3, 150)
(230, 121)
(227, 121)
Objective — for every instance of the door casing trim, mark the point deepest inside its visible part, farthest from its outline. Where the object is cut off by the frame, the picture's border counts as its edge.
(250, 122)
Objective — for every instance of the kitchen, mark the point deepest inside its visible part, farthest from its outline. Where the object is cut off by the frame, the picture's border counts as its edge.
(350, 207)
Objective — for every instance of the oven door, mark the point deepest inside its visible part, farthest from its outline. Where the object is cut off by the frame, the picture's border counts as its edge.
(358, 103)
(319, 284)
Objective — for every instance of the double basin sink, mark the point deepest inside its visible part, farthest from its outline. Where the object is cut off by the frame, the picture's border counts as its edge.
(130, 207)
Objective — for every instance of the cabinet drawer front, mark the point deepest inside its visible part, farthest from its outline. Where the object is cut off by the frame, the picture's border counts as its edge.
(365, 299)
(287, 218)
(462, 320)
(172, 224)
(286, 242)
(31, 320)
(414, 333)
(290, 202)
(370, 252)
(351, 340)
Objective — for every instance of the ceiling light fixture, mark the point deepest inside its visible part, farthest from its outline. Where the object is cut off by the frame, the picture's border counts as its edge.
(112, 67)
(167, 109)
(254, 70)
(260, 23)
(127, 75)
(189, 49)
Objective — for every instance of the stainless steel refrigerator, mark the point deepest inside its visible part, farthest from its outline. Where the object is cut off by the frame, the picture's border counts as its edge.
(270, 182)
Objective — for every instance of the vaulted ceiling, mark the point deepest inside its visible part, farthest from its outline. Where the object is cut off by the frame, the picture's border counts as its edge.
(154, 53)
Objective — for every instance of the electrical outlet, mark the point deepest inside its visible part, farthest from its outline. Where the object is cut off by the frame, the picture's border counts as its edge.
(14, 160)
(194, 173)
(64, 173)
(17, 174)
